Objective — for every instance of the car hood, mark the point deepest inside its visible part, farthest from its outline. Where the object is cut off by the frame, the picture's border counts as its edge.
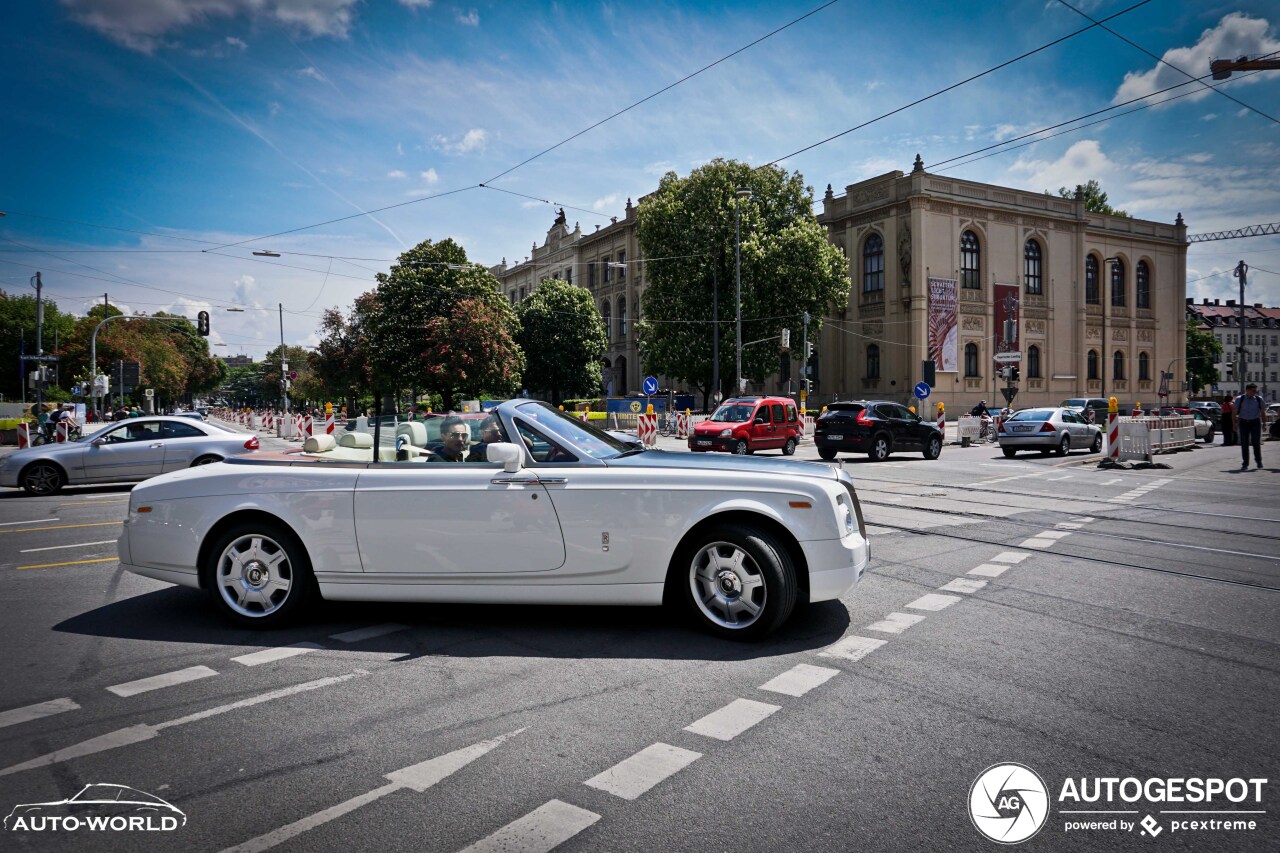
(704, 461)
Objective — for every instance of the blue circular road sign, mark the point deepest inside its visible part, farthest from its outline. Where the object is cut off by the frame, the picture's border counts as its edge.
(650, 385)
(922, 391)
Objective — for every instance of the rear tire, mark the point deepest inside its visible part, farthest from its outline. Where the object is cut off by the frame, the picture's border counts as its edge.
(735, 581)
(1096, 447)
(206, 460)
(880, 449)
(1009, 452)
(42, 478)
(789, 448)
(258, 574)
(933, 448)
(827, 453)
(1064, 446)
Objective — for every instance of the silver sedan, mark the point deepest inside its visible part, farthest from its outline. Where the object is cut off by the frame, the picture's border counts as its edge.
(1049, 430)
(126, 451)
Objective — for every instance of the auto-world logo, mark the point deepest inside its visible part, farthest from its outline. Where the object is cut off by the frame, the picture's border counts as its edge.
(1008, 803)
(101, 807)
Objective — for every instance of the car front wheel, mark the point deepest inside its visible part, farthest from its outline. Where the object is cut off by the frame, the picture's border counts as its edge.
(737, 581)
(42, 478)
(740, 447)
(258, 574)
(789, 448)
(1096, 447)
(1211, 434)
(879, 448)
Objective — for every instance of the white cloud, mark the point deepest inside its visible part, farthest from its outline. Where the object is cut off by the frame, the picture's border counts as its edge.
(872, 85)
(470, 19)
(397, 174)
(143, 24)
(1208, 116)
(430, 176)
(1081, 161)
(1235, 35)
(609, 202)
(1201, 157)
(417, 4)
(399, 149)
(246, 286)
(472, 141)
(311, 72)
(235, 42)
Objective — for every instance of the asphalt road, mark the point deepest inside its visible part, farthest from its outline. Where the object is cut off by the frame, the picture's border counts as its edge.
(1082, 622)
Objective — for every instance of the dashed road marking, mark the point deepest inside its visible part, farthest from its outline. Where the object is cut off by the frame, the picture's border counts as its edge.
(68, 563)
(633, 776)
(733, 719)
(852, 648)
(896, 623)
(989, 570)
(61, 526)
(934, 602)
(545, 828)
(33, 521)
(157, 682)
(1038, 543)
(1069, 525)
(799, 680)
(963, 585)
(1009, 557)
(1053, 534)
(60, 547)
(275, 654)
(35, 712)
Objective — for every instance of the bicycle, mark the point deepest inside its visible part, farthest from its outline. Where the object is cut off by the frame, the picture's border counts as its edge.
(667, 427)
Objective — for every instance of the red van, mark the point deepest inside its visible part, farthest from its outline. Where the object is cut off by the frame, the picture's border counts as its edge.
(746, 424)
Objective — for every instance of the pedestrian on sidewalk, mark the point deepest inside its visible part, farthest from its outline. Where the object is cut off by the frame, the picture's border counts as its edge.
(1248, 409)
(1228, 423)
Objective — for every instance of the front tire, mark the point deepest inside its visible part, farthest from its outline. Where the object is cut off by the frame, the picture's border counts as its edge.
(933, 448)
(1096, 447)
(789, 448)
(740, 447)
(879, 448)
(42, 478)
(1064, 446)
(258, 574)
(737, 582)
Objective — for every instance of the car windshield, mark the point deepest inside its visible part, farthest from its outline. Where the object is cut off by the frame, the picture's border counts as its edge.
(845, 407)
(1033, 415)
(574, 434)
(733, 413)
(1074, 404)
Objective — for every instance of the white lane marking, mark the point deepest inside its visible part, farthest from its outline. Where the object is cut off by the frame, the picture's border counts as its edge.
(59, 547)
(1112, 482)
(1056, 479)
(799, 680)
(632, 776)
(279, 653)
(418, 777)
(988, 570)
(963, 585)
(1069, 525)
(733, 719)
(156, 682)
(34, 712)
(545, 828)
(1009, 557)
(1007, 479)
(852, 648)
(1084, 518)
(1053, 534)
(34, 521)
(369, 633)
(1039, 544)
(933, 601)
(872, 530)
(896, 623)
(259, 699)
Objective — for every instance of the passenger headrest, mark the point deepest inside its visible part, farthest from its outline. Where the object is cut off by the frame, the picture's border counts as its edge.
(360, 440)
(415, 433)
(319, 443)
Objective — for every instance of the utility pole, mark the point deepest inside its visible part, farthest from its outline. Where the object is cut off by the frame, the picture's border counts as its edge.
(715, 332)
(804, 365)
(39, 342)
(1241, 272)
(284, 365)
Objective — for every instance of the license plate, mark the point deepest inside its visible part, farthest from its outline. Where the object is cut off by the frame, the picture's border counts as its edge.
(1022, 429)
(703, 443)
(835, 438)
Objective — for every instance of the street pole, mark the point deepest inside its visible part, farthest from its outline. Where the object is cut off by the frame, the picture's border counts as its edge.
(715, 332)
(284, 389)
(39, 343)
(742, 195)
(1241, 272)
(804, 365)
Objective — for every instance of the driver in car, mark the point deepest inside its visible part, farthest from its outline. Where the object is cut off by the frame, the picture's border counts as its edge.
(490, 432)
(456, 436)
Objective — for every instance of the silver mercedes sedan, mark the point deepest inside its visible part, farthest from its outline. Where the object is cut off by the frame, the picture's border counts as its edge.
(126, 451)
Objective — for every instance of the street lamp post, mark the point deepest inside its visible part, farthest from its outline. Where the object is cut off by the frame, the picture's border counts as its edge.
(742, 195)
(1110, 291)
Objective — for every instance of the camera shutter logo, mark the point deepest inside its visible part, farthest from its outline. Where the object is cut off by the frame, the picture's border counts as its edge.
(1008, 803)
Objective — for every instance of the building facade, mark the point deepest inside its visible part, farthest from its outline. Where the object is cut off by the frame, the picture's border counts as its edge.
(1254, 327)
(234, 361)
(1084, 304)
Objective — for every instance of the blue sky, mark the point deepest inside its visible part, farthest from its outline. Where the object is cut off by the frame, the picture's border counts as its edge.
(226, 120)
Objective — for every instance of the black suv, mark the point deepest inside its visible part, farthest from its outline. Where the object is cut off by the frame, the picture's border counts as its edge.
(876, 428)
(1210, 408)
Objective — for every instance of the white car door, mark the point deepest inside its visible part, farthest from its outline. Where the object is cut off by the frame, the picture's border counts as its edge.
(467, 518)
(131, 451)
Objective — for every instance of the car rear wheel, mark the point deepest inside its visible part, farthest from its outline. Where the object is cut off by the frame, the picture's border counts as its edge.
(42, 478)
(1064, 446)
(740, 447)
(1009, 452)
(1096, 447)
(737, 581)
(827, 453)
(258, 574)
(879, 448)
(206, 460)
(789, 448)
(1211, 434)
(933, 448)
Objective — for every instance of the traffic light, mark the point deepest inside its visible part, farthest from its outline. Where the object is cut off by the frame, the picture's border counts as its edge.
(786, 339)
(1015, 372)
(202, 324)
(1231, 370)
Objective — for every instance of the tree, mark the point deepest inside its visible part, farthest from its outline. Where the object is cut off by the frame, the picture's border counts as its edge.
(1203, 352)
(341, 361)
(563, 339)
(18, 334)
(471, 351)
(269, 376)
(243, 386)
(1095, 200)
(788, 267)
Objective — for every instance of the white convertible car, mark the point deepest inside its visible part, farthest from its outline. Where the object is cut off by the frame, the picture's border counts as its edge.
(560, 513)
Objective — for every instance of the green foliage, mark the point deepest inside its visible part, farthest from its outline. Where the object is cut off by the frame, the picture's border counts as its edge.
(340, 363)
(788, 267)
(243, 386)
(471, 352)
(18, 324)
(1203, 351)
(1095, 200)
(563, 338)
(269, 377)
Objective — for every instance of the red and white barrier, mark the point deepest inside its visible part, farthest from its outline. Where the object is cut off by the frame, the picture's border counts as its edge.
(328, 424)
(942, 424)
(1113, 436)
(61, 434)
(24, 435)
(682, 425)
(647, 429)
(307, 426)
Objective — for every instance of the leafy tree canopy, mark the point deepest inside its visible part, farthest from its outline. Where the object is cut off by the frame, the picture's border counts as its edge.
(1203, 352)
(563, 338)
(1095, 200)
(18, 334)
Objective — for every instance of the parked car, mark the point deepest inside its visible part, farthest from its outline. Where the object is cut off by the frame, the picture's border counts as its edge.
(1059, 430)
(125, 451)
(1273, 418)
(1205, 430)
(588, 520)
(195, 416)
(1098, 405)
(746, 424)
(876, 428)
(1210, 408)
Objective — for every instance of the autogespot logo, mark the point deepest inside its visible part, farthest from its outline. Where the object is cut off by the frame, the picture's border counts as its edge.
(1008, 803)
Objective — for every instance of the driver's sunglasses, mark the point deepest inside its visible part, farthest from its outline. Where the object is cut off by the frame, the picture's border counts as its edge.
(466, 434)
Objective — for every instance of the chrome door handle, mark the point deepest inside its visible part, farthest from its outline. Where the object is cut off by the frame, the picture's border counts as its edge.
(158, 444)
(528, 481)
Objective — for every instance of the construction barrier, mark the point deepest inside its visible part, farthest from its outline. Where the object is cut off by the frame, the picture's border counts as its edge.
(682, 426)
(968, 428)
(328, 424)
(647, 429)
(1113, 436)
(308, 426)
(60, 434)
(1141, 438)
(24, 435)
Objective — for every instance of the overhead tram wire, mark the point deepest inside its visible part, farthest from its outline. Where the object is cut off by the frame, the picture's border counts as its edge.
(957, 85)
(1158, 59)
(545, 201)
(667, 88)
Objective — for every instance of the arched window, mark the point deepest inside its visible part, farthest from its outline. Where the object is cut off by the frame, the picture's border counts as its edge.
(1144, 366)
(873, 264)
(1117, 283)
(1093, 365)
(873, 361)
(1117, 365)
(1142, 285)
(1031, 267)
(970, 360)
(1091, 281)
(622, 317)
(970, 261)
(1033, 362)
(607, 316)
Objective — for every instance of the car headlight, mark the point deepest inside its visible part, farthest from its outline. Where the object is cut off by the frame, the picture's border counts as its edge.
(842, 506)
(725, 433)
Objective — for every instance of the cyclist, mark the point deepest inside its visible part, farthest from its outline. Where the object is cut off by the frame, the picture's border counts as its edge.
(981, 411)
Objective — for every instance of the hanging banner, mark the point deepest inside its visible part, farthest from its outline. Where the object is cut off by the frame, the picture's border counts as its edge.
(944, 324)
(1006, 312)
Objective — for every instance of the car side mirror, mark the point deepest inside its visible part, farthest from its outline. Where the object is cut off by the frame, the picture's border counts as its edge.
(760, 420)
(511, 456)
(98, 442)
